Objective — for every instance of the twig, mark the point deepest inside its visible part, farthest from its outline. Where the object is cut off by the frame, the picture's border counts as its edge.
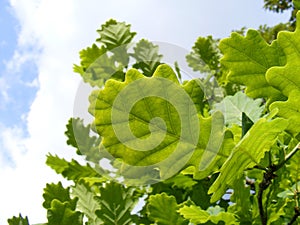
(269, 175)
(267, 180)
(288, 157)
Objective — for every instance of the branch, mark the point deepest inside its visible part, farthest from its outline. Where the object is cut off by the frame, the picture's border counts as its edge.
(269, 175)
(267, 180)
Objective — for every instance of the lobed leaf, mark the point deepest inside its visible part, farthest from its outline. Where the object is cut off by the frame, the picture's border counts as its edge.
(114, 34)
(71, 170)
(57, 192)
(162, 209)
(148, 122)
(147, 57)
(79, 137)
(116, 203)
(233, 107)
(63, 214)
(196, 215)
(248, 59)
(205, 55)
(247, 153)
(86, 202)
(18, 220)
(287, 78)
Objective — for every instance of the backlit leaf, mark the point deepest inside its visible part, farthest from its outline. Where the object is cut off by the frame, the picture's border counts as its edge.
(247, 153)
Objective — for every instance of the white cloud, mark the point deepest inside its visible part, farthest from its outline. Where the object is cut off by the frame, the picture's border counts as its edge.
(53, 32)
(3, 92)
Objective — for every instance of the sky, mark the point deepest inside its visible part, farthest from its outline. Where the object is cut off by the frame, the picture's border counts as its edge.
(39, 43)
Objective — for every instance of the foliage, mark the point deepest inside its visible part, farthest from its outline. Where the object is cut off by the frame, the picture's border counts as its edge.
(176, 151)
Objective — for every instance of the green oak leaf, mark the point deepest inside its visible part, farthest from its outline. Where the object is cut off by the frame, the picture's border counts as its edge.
(205, 55)
(162, 209)
(148, 122)
(116, 37)
(86, 202)
(287, 78)
(233, 107)
(96, 66)
(195, 88)
(72, 170)
(147, 57)
(248, 59)
(114, 34)
(181, 181)
(80, 138)
(18, 220)
(57, 192)
(116, 203)
(215, 214)
(247, 153)
(63, 214)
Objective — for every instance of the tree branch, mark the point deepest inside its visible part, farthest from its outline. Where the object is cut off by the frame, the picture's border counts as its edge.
(269, 175)
(267, 180)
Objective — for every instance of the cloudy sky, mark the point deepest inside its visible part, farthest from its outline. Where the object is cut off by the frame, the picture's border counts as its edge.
(39, 42)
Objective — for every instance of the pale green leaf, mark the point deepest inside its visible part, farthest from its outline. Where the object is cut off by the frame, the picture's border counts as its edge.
(80, 138)
(148, 122)
(86, 202)
(215, 214)
(162, 209)
(248, 59)
(96, 66)
(71, 170)
(147, 57)
(247, 153)
(233, 107)
(181, 181)
(286, 78)
(114, 34)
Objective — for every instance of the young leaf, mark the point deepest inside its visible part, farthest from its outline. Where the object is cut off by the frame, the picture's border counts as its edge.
(114, 34)
(196, 215)
(71, 170)
(233, 107)
(162, 209)
(63, 214)
(116, 203)
(248, 59)
(147, 57)
(18, 220)
(58, 192)
(79, 137)
(86, 202)
(247, 153)
(205, 55)
(286, 78)
(96, 66)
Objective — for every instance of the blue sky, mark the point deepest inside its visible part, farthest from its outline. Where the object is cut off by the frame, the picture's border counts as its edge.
(39, 42)
(12, 102)
(17, 89)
